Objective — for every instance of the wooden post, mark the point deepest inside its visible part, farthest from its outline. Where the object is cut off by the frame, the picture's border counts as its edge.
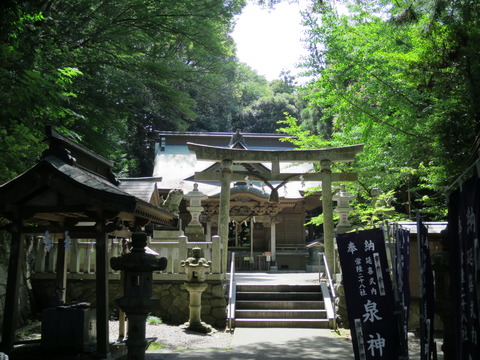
(17, 255)
(224, 210)
(102, 263)
(273, 242)
(328, 214)
(251, 238)
(121, 313)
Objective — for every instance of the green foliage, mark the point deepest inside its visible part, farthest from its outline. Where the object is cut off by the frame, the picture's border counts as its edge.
(377, 212)
(395, 78)
(154, 320)
(110, 73)
(264, 104)
(156, 346)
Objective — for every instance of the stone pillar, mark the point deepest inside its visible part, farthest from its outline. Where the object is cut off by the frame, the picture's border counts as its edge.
(209, 231)
(196, 268)
(224, 210)
(327, 207)
(194, 229)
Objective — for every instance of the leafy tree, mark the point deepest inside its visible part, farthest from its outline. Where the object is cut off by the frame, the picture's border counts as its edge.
(402, 84)
(101, 69)
(265, 103)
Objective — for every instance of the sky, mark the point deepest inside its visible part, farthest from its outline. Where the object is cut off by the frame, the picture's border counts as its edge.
(270, 40)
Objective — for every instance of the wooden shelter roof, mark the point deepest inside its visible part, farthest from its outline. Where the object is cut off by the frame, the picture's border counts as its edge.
(59, 190)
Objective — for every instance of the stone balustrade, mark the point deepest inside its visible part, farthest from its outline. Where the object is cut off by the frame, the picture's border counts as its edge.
(81, 257)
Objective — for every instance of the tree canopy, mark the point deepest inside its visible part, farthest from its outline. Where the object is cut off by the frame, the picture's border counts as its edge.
(108, 72)
(403, 79)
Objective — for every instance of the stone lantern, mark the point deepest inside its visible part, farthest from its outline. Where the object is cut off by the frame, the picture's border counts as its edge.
(194, 230)
(196, 268)
(343, 208)
(137, 302)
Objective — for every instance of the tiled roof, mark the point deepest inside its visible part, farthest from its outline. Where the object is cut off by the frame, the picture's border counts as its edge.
(142, 188)
(85, 177)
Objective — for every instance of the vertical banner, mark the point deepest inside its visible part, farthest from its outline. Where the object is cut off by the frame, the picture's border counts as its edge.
(369, 295)
(402, 288)
(427, 293)
(464, 267)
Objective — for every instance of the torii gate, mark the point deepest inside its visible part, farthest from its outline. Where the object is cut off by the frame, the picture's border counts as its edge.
(228, 156)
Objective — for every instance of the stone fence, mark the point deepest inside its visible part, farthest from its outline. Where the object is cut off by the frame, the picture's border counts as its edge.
(81, 257)
(168, 285)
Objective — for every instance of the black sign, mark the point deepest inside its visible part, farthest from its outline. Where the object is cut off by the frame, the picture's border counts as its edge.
(427, 294)
(464, 212)
(369, 295)
(402, 288)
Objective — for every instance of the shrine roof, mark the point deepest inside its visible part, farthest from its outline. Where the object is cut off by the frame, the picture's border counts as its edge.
(180, 157)
(143, 188)
(59, 189)
(250, 140)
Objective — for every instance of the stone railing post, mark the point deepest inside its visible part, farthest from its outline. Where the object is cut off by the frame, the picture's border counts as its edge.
(74, 257)
(87, 267)
(52, 258)
(182, 254)
(40, 259)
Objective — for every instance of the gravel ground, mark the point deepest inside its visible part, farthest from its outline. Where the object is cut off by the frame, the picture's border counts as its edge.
(175, 338)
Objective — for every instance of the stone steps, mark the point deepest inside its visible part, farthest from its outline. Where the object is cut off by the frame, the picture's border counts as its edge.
(292, 306)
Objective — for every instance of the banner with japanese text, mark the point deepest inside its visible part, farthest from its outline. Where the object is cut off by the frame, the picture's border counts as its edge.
(402, 288)
(463, 223)
(427, 294)
(368, 294)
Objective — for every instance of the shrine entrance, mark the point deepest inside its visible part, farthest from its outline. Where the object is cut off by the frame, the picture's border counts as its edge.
(275, 178)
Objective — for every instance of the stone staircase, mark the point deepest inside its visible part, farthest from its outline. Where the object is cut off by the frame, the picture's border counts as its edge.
(291, 306)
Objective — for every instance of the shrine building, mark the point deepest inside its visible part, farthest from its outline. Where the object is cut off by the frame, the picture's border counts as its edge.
(266, 217)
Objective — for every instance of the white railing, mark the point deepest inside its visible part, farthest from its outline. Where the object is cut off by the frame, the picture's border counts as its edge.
(231, 296)
(81, 254)
(328, 294)
(176, 251)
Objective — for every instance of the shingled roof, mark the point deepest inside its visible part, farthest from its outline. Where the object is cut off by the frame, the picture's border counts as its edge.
(58, 189)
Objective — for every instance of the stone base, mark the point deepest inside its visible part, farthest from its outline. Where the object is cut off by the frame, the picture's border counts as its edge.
(174, 299)
(200, 327)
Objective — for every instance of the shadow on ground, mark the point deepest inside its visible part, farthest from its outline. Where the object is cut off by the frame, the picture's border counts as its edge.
(317, 347)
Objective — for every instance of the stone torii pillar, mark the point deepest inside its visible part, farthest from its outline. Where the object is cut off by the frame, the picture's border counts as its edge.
(224, 210)
(327, 209)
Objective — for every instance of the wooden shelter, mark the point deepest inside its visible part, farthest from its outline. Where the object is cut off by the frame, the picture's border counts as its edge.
(71, 193)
